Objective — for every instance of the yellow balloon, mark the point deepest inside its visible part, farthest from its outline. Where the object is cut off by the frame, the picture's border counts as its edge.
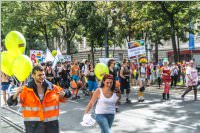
(100, 70)
(54, 53)
(22, 67)
(7, 60)
(15, 42)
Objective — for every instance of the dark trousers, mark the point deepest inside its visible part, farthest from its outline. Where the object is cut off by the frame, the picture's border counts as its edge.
(41, 127)
(174, 80)
(189, 89)
(159, 81)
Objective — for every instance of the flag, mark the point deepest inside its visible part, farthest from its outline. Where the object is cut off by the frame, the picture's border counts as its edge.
(49, 56)
(191, 41)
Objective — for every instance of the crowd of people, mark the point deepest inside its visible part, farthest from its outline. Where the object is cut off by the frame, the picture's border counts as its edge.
(72, 77)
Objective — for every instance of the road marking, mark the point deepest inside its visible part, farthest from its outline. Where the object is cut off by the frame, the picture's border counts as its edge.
(154, 119)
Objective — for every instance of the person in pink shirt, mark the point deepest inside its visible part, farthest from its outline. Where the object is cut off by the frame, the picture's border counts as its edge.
(191, 80)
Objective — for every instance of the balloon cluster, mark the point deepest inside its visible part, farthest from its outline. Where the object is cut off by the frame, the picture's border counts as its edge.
(13, 61)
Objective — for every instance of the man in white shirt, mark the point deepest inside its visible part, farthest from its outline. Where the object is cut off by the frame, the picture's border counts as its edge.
(191, 80)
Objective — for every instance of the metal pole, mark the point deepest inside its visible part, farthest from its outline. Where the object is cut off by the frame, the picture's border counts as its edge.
(106, 41)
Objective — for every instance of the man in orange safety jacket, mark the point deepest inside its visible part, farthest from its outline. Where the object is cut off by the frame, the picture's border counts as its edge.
(40, 100)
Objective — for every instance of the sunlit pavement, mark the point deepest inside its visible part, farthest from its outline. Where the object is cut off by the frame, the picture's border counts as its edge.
(151, 116)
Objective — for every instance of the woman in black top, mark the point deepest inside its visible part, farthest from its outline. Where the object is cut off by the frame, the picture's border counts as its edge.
(50, 73)
(125, 80)
(65, 76)
(92, 84)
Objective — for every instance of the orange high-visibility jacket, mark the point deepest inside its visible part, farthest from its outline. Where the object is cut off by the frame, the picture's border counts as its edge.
(35, 110)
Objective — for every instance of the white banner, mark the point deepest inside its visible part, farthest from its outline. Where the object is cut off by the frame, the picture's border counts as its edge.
(67, 57)
(136, 51)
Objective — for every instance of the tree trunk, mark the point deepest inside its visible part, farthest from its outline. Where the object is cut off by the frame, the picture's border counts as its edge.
(114, 51)
(106, 43)
(172, 28)
(173, 37)
(92, 51)
(68, 47)
(46, 36)
(178, 48)
(156, 52)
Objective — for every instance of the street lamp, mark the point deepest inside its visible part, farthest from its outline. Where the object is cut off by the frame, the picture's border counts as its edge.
(149, 50)
(108, 21)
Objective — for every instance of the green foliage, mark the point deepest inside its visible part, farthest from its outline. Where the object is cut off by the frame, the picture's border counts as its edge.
(41, 22)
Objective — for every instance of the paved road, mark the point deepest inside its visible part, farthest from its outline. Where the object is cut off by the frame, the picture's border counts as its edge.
(152, 116)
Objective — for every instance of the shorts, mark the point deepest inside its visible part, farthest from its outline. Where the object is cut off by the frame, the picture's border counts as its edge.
(65, 83)
(4, 86)
(125, 85)
(75, 78)
(92, 85)
(149, 77)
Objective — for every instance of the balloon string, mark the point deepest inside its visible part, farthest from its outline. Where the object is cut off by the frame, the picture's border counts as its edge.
(17, 82)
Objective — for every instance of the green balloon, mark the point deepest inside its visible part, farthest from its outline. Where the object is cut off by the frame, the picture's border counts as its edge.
(15, 42)
(22, 67)
(54, 53)
(7, 60)
(100, 70)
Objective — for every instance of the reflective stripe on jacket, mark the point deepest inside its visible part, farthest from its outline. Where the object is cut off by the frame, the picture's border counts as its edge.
(35, 110)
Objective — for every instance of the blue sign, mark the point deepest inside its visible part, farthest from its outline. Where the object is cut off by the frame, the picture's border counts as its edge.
(191, 41)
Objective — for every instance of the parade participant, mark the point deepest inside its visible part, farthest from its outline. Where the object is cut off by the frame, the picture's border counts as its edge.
(75, 74)
(4, 85)
(174, 75)
(57, 70)
(106, 100)
(65, 75)
(40, 103)
(84, 72)
(142, 79)
(183, 71)
(166, 78)
(134, 75)
(158, 75)
(92, 83)
(191, 80)
(149, 73)
(112, 71)
(44, 66)
(125, 80)
(50, 73)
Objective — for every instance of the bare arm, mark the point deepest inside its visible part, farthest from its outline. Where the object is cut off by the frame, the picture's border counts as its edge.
(92, 101)
(121, 73)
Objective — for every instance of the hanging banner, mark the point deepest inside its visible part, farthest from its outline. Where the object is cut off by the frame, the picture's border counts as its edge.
(37, 56)
(136, 48)
(191, 42)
